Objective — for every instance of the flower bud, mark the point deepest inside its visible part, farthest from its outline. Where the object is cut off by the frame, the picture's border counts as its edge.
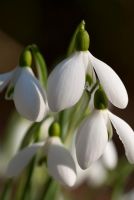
(54, 129)
(82, 38)
(25, 58)
(100, 99)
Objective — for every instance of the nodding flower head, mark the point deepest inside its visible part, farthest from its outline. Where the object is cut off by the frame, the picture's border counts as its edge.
(94, 132)
(60, 163)
(29, 97)
(67, 80)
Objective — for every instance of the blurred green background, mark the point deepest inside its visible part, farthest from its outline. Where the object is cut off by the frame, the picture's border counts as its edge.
(51, 23)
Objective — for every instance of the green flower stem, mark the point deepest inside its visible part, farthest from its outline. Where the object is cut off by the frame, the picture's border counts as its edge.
(46, 188)
(34, 129)
(6, 190)
(40, 65)
(94, 87)
(27, 186)
(64, 121)
(50, 190)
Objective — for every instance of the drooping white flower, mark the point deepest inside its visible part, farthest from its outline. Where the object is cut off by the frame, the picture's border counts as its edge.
(92, 137)
(96, 174)
(60, 163)
(28, 95)
(67, 80)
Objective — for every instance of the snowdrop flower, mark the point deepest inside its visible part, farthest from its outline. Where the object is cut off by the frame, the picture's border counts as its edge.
(92, 135)
(25, 90)
(67, 80)
(96, 174)
(60, 163)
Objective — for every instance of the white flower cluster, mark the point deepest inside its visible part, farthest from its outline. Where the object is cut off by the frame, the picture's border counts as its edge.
(65, 87)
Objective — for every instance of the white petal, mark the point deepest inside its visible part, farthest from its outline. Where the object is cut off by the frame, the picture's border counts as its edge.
(126, 135)
(19, 162)
(10, 89)
(28, 97)
(60, 163)
(96, 174)
(110, 157)
(108, 123)
(66, 83)
(5, 78)
(91, 139)
(85, 57)
(81, 174)
(112, 84)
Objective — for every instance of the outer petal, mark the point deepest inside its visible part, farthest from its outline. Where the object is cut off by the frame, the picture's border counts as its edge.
(110, 157)
(111, 83)
(66, 83)
(91, 139)
(61, 164)
(5, 78)
(126, 135)
(96, 174)
(28, 96)
(19, 162)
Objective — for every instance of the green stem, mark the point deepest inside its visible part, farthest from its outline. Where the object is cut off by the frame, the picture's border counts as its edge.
(46, 188)
(40, 65)
(27, 185)
(5, 192)
(93, 88)
(33, 129)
